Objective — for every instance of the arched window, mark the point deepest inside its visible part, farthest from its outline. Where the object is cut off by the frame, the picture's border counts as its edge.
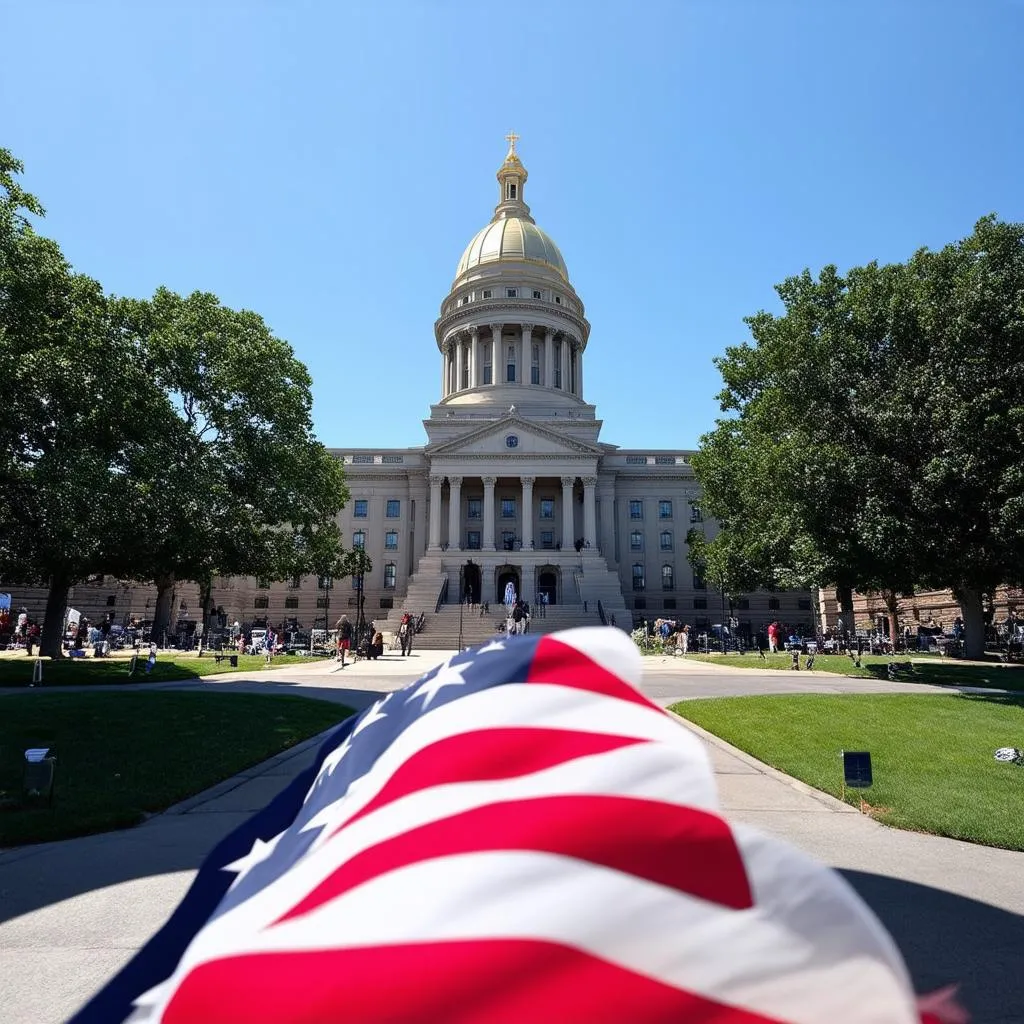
(535, 365)
(668, 581)
(488, 369)
(666, 540)
(638, 576)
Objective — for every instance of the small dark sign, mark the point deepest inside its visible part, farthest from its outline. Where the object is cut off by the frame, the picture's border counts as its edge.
(857, 769)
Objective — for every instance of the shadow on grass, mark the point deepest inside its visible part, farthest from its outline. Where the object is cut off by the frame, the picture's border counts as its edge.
(945, 673)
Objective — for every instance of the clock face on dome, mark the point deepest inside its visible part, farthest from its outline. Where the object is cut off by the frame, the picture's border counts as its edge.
(512, 441)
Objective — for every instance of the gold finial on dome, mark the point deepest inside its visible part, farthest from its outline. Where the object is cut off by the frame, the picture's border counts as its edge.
(512, 139)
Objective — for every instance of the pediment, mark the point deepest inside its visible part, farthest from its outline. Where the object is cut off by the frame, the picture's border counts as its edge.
(530, 439)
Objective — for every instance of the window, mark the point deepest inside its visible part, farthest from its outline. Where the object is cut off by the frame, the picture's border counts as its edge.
(558, 300)
(390, 571)
(321, 602)
(696, 516)
(296, 583)
(111, 600)
(547, 539)
(638, 576)
(743, 604)
(391, 540)
(699, 583)
(804, 604)
(387, 602)
(636, 541)
(508, 540)
(773, 604)
(510, 365)
(640, 603)
(359, 539)
(394, 508)
(511, 190)
(508, 508)
(664, 509)
(361, 510)
(291, 601)
(487, 293)
(547, 508)
(487, 373)
(263, 582)
(324, 583)
(474, 508)
(357, 582)
(261, 601)
(666, 540)
(511, 293)
(473, 540)
(636, 509)
(670, 603)
(668, 578)
(558, 364)
(536, 294)
(700, 602)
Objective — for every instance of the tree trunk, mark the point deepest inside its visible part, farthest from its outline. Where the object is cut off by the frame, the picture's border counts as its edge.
(205, 602)
(974, 621)
(892, 605)
(50, 645)
(162, 612)
(844, 597)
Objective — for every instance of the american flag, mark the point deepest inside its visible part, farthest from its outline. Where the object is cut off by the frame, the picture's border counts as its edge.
(518, 835)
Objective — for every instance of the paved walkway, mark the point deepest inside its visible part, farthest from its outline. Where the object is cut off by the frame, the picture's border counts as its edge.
(71, 913)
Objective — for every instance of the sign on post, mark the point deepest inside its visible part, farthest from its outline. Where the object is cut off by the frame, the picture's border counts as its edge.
(856, 769)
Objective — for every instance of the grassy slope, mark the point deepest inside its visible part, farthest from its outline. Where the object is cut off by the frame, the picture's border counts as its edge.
(121, 756)
(931, 754)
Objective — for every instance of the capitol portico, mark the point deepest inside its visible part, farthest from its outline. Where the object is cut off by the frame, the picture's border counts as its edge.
(513, 484)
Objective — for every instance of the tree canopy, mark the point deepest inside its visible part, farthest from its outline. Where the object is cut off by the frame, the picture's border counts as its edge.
(872, 429)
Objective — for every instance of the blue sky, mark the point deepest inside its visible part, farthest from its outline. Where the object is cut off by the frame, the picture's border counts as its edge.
(325, 164)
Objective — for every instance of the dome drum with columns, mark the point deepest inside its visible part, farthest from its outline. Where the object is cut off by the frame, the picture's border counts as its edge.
(513, 486)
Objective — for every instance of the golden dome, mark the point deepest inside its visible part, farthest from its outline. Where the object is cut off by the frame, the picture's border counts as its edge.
(512, 238)
(512, 234)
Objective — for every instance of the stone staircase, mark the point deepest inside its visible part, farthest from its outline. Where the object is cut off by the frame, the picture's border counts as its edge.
(441, 632)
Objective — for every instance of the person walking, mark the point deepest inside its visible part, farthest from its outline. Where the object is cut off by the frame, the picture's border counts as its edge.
(405, 635)
(344, 638)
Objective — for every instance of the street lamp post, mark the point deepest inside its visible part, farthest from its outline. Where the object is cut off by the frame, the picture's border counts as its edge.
(723, 618)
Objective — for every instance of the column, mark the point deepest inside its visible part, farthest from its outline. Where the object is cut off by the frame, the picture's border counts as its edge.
(549, 358)
(488, 542)
(444, 373)
(527, 482)
(455, 513)
(474, 357)
(459, 355)
(526, 348)
(579, 375)
(567, 517)
(434, 531)
(565, 361)
(590, 512)
(496, 374)
(607, 499)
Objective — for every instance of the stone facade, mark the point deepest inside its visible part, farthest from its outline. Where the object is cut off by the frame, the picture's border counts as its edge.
(514, 483)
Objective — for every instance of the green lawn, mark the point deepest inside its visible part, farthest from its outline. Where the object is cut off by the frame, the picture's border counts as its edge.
(927, 669)
(932, 754)
(123, 755)
(16, 670)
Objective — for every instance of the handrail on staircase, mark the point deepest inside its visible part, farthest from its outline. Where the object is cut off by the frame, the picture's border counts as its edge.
(600, 613)
(577, 578)
(442, 594)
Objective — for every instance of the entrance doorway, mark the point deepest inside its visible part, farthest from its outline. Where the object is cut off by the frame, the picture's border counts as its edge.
(471, 582)
(547, 583)
(504, 575)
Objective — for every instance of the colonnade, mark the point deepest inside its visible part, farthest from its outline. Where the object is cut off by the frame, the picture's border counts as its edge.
(525, 519)
(466, 354)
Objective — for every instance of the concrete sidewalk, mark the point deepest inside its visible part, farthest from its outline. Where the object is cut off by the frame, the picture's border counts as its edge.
(73, 912)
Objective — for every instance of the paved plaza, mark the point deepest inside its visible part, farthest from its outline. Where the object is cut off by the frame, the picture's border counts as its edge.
(71, 913)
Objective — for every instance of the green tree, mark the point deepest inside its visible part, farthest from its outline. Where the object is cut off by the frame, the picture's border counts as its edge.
(76, 409)
(872, 428)
(239, 474)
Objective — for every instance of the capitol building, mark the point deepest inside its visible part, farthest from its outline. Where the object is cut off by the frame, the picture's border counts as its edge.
(514, 484)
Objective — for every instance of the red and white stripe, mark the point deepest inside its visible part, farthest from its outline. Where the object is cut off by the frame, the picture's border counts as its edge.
(552, 851)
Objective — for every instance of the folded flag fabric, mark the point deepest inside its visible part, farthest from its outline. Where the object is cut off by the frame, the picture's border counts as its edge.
(518, 835)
